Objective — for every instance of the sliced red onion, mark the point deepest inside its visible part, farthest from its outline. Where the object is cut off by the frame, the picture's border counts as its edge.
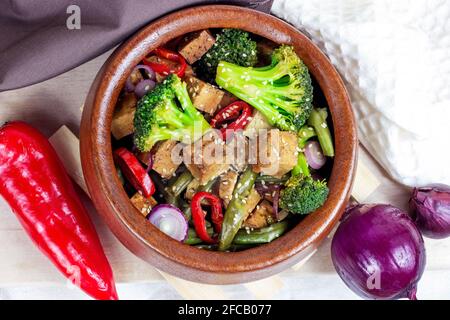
(314, 155)
(143, 87)
(170, 220)
(275, 202)
(146, 158)
(266, 188)
(129, 86)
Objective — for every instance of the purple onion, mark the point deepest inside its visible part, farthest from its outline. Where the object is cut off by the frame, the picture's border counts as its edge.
(143, 87)
(314, 155)
(378, 252)
(130, 86)
(170, 220)
(275, 202)
(431, 210)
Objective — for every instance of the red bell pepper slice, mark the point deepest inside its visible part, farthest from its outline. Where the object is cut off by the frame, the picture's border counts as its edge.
(134, 172)
(198, 215)
(239, 110)
(164, 69)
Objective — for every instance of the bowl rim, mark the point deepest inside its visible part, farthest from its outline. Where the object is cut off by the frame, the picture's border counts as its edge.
(145, 240)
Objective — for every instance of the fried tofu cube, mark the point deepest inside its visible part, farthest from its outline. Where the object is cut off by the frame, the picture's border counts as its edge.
(258, 121)
(195, 45)
(251, 202)
(142, 204)
(226, 186)
(260, 217)
(205, 159)
(277, 153)
(162, 158)
(237, 151)
(204, 96)
(171, 64)
(122, 122)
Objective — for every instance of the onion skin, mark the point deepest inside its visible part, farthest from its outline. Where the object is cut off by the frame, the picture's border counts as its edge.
(430, 207)
(378, 252)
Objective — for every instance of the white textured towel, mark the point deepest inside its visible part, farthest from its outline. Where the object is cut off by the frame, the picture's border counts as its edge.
(394, 57)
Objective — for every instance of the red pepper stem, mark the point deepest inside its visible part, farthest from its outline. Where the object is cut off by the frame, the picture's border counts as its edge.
(198, 215)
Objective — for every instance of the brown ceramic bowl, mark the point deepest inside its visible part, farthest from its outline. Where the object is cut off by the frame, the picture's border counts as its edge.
(141, 237)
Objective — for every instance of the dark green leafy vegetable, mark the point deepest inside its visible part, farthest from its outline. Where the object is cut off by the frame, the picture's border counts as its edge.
(159, 116)
(232, 45)
(282, 91)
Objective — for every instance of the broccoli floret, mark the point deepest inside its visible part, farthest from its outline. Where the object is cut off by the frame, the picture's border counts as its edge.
(165, 113)
(302, 194)
(232, 45)
(282, 91)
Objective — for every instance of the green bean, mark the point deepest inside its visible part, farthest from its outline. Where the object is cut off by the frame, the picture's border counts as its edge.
(180, 184)
(161, 188)
(318, 120)
(207, 187)
(263, 235)
(232, 248)
(192, 237)
(270, 179)
(235, 213)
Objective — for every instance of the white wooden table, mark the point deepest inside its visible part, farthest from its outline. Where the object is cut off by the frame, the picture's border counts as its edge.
(26, 273)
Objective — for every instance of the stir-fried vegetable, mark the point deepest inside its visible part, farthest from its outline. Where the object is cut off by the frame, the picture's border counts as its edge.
(302, 194)
(198, 215)
(263, 235)
(251, 208)
(158, 116)
(282, 91)
(133, 171)
(232, 45)
(171, 56)
(304, 134)
(239, 111)
(318, 120)
(170, 220)
(235, 213)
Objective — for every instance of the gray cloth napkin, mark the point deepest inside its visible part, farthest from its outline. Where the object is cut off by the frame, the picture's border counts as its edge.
(41, 39)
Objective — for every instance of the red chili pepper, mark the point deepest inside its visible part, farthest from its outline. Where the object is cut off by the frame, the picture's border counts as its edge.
(198, 215)
(36, 186)
(162, 68)
(134, 172)
(239, 110)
